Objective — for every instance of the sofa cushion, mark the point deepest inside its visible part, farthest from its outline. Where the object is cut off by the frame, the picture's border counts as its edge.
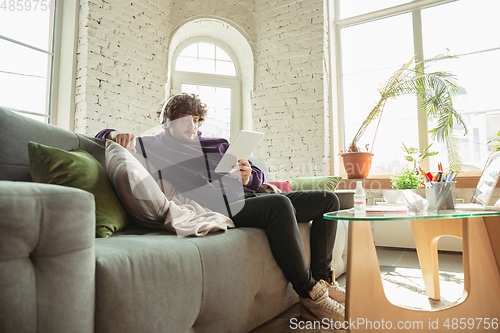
(222, 282)
(15, 133)
(283, 186)
(328, 183)
(147, 283)
(139, 193)
(79, 169)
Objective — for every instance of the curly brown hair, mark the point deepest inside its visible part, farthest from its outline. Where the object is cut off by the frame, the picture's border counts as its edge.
(184, 104)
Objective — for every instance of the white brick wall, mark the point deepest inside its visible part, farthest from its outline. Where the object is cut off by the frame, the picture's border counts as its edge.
(121, 64)
(240, 13)
(289, 99)
(122, 69)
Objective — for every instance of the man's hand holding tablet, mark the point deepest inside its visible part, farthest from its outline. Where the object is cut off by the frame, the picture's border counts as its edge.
(242, 170)
(238, 153)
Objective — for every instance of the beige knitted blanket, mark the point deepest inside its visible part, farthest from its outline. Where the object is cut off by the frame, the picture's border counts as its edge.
(188, 218)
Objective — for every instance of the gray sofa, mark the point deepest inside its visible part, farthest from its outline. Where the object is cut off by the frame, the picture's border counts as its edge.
(55, 277)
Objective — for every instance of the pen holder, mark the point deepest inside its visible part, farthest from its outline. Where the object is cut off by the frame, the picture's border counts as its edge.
(441, 196)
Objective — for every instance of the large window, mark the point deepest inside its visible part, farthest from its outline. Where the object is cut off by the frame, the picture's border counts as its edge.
(350, 8)
(207, 69)
(26, 57)
(469, 29)
(375, 39)
(366, 67)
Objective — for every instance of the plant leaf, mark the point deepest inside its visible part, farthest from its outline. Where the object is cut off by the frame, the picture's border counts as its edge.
(435, 90)
(454, 161)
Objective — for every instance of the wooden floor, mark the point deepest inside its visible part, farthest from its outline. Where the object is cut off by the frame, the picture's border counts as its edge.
(403, 285)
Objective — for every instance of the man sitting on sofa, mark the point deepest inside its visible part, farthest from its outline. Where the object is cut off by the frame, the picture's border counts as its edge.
(188, 161)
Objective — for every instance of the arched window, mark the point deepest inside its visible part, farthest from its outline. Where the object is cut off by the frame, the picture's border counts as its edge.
(206, 67)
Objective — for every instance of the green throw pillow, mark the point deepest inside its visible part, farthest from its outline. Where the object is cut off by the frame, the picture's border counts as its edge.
(78, 168)
(328, 183)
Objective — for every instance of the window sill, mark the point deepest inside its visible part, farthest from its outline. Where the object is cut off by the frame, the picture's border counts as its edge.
(385, 183)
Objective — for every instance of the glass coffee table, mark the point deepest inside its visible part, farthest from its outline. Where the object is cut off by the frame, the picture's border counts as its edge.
(478, 310)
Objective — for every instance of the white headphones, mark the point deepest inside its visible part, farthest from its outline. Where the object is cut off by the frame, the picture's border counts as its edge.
(163, 113)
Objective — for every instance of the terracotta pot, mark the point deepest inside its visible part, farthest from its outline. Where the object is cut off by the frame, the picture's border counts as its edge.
(357, 165)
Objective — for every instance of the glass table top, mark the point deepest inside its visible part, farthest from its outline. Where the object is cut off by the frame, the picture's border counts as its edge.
(380, 215)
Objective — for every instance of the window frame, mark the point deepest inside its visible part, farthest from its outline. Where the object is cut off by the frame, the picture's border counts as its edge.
(415, 8)
(50, 52)
(61, 70)
(226, 81)
(65, 39)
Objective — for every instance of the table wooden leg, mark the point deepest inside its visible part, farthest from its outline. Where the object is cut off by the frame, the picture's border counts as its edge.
(368, 310)
(493, 228)
(426, 234)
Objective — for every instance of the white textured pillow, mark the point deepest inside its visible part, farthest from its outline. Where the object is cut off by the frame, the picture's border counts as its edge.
(139, 193)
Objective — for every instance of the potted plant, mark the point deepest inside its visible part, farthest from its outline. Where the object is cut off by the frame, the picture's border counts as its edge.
(435, 90)
(408, 178)
(403, 180)
(357, 164)
(413, 155)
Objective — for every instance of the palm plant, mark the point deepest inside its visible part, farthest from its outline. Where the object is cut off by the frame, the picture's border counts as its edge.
(496, 142)
(435, 90)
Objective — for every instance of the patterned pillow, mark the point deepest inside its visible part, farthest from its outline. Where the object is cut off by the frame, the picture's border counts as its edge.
(139, 193)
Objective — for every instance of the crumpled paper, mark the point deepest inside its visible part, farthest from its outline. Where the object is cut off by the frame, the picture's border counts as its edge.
(414, 202)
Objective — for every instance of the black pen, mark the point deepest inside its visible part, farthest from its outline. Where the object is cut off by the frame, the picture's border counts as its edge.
(439, 176)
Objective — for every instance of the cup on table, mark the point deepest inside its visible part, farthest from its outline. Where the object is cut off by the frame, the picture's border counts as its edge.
(441, 196)
(392, 196)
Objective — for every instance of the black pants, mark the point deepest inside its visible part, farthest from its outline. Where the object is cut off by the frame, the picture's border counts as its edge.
(278, 215)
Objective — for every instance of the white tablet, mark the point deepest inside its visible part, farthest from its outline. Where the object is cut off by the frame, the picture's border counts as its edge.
(241, 149)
